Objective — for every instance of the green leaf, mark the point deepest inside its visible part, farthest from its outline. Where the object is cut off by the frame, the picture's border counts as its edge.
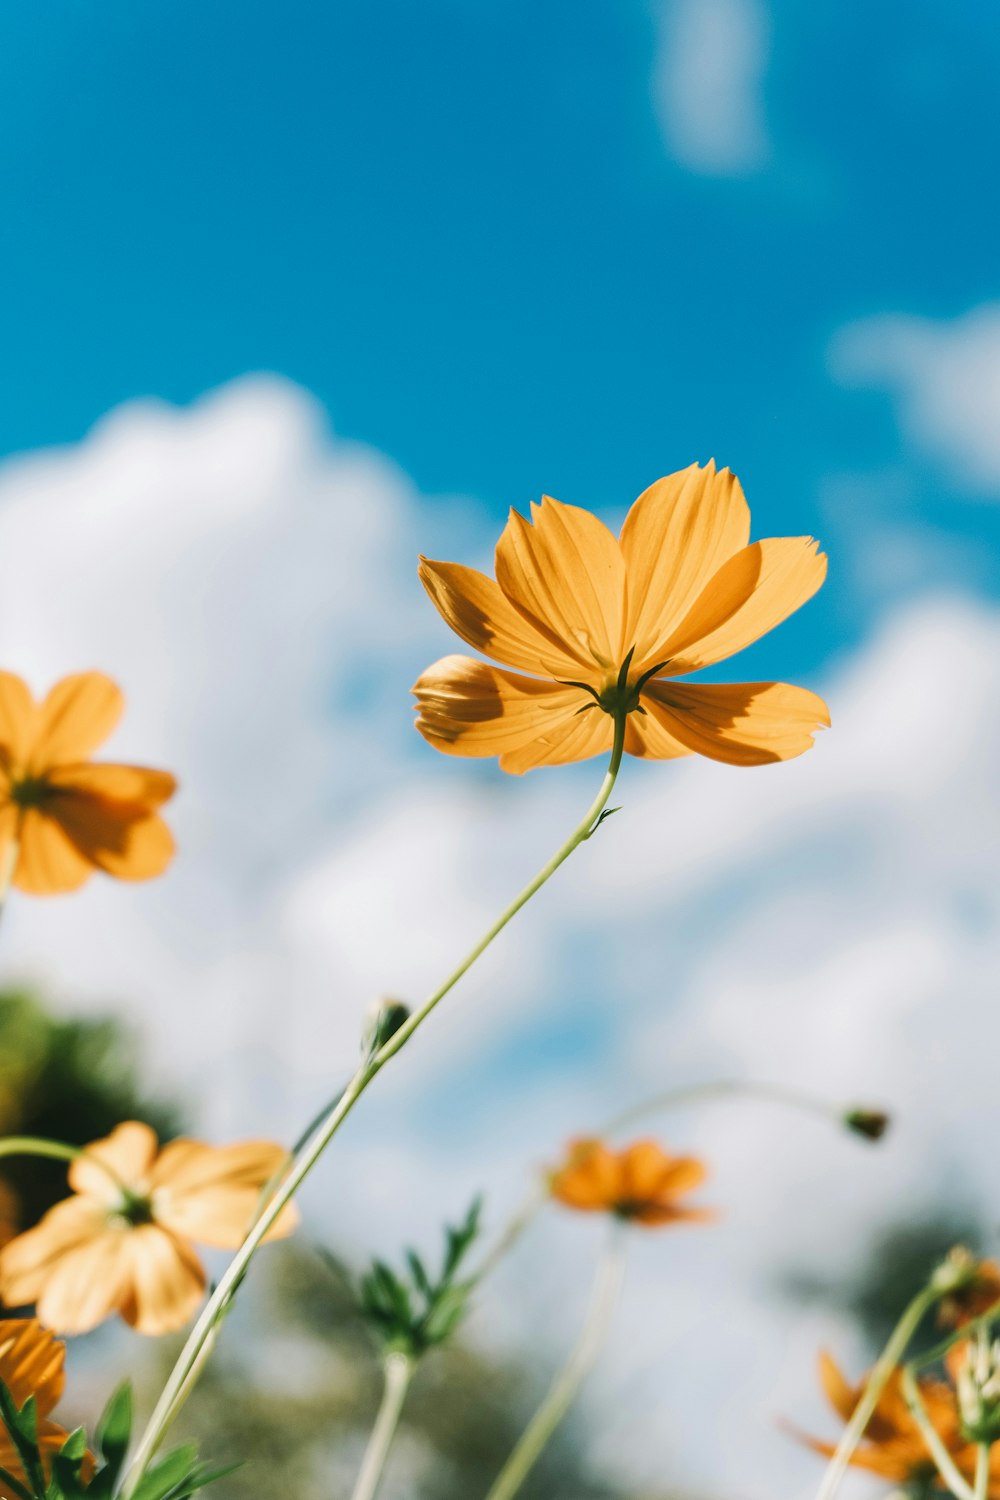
(14, 1485)
(22, 1428)
(114, 1431)
(164, 1478)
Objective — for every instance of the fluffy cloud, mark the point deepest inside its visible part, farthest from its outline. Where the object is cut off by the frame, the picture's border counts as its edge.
(944, 378)
(831, 923)
(707, 84)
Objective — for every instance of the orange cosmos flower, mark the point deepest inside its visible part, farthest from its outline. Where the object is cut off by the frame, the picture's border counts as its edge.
(607, 626)
(68, 815)
(122, 1242)
(893, 1446)
(31, 1364)
(640, 1183)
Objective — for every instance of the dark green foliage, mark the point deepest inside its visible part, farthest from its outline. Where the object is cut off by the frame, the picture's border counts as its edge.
(414, 1314)
(68, 1080)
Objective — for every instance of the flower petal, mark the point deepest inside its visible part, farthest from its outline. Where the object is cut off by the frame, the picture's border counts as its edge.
(76, 717)
(137, 786)
(121, 838)
(87, 1284)
(479, 611)
(676, 536)
(129, 1151)
(27, 1260)
(586, 734)
(749, 595)
(32, 1362)
(211, 1193)
(48, 863)
(18, 716)
(467, 707)
(165, 1284)
(741, 723)
(646, 738)
(591, 1178)
(566, 574)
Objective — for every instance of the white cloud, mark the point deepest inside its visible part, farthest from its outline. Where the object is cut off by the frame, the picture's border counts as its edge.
(708, 76)
(831, 923)
(944, 377)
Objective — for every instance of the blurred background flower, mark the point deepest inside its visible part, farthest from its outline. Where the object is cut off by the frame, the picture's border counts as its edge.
(482, 252)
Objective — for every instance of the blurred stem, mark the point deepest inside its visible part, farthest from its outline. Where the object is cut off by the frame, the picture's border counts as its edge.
(36, 1145)
(887, 1361)
(722, 1088)
(564, 1389)
(946, 1466)
(8, 864)
(179, 1382)
(982, 1471)
(512, 1231)
(398, 1371)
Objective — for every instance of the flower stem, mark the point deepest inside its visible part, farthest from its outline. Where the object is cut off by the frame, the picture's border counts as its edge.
(721, 1088)
(946, 1466)
(36, 1145)
(567, 1383)
(8, 864)
(398, 1374)
(982, 1489)
(876, 1384)
(178, 1383)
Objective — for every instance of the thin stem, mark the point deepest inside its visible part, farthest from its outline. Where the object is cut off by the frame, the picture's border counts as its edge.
(982, 1489)
(36, 1145)
(946, 1465)
(179, 1382)
(720, 1088)
(876, 1384)
(398, 1374)
(8, 865)
(512, 1231)
(564, 1388)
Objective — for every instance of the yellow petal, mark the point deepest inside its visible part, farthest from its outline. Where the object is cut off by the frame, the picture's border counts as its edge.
(76, 717)
(566, 573)
(841, 1396)
(749, 595)
(479, 611)
(741, 723)
(120, 838)
(27, 1261)
(18, 715)
(137, 786)
(48, 863)
(166, 1281)
(676, 536)
(129, 1151)
(87, 1284)
(31, 1362)
(646, 738)
(586, 734)
(211, 1193)
(591, 1178)
(467, 707)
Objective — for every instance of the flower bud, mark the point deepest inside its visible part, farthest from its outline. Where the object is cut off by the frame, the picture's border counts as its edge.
(384, 1018)
(872, 1124)
(978, 1387)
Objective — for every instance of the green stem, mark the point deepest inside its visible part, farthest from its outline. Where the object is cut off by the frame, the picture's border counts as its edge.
(8, 865)
(399, 1370)
(982, 1489)
(876, 1384)
(946, 1465)
(178, 1381)
(564, 1388)
(36, 1145)
(721, 1088)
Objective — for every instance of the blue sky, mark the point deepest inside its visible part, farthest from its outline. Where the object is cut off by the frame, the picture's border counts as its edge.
(500, 249)
(459, 225)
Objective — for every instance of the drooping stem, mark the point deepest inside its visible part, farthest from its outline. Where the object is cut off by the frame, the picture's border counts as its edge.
(8, 865)
(875, 1385)
(178, 1382)
(722, 1088)
(398, 1371)
(564, 1389)
(36, 1145)
(946, 1466)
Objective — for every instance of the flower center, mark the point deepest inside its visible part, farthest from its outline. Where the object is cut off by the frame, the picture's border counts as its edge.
(134, 1209)
(620, 696)
(30, 791)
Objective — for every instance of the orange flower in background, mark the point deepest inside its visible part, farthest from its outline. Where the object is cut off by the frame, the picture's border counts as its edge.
(62, 816)
(122, 1242)
(640, 1183)
(31, 1364)
(893, 1446)
(605, 626)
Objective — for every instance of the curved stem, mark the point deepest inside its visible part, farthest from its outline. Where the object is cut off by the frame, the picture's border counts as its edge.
(946, 1466)
(36, 1145)
(721, 1088)
(876, 1384)
(564, 1388)
(178, 1382)
(8, 865)
(398, 1374)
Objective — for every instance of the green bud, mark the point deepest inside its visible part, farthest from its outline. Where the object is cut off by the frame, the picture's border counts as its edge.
(383, 1020)
(872, 1124)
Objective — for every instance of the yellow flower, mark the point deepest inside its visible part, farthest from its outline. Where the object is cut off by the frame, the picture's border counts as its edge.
(893, 1446)
(67, 814)
(122, 1242)
(606, 626)
(31, 1364)
(640, 1183)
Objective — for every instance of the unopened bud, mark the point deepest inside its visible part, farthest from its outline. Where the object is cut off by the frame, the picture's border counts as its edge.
(978, 1387)
(956, 1271)
(383, 1020)
(872, 1124)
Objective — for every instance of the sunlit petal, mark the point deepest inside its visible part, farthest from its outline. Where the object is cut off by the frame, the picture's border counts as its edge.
(76, 717)
(741, 723)
(479, 611)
